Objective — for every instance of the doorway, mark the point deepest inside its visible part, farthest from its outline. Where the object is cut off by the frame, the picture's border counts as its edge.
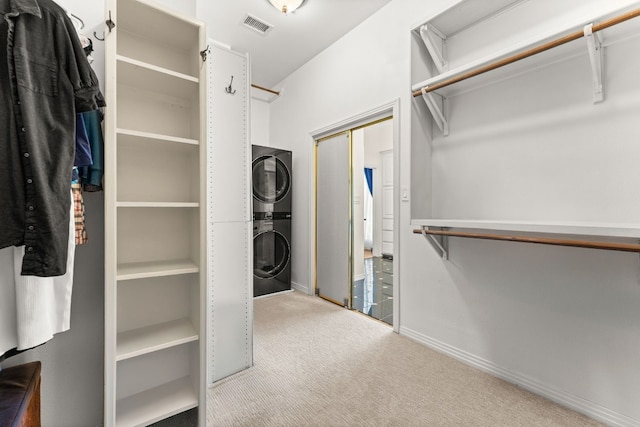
(372, 284)
(354, 218)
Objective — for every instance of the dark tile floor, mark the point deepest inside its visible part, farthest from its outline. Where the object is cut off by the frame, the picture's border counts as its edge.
(373, 295)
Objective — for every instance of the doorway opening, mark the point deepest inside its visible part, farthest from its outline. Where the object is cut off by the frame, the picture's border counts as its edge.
(354, 212)
(372, 284)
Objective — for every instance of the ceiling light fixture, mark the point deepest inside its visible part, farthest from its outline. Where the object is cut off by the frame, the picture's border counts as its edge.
(287, 6)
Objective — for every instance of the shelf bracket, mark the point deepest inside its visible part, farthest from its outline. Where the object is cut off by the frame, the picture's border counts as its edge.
(436, 111)
(439, 243)
(594, 46)
(434, 41)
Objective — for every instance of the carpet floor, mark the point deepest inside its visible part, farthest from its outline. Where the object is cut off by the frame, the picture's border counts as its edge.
(317, 364)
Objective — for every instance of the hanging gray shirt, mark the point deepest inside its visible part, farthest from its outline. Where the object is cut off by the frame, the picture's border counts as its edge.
(46, 79)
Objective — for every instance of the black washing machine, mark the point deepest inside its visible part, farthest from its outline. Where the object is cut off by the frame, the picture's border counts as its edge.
(271, 179)
(271, 253)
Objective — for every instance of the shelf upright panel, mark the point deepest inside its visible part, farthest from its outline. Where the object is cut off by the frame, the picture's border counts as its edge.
(111, 223)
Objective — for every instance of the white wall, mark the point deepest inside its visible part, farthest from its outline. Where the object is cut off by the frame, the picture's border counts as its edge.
(259, 122)
(378, 137)
(561, 321)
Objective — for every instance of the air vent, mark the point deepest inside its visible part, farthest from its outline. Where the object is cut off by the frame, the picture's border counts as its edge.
(256, 24)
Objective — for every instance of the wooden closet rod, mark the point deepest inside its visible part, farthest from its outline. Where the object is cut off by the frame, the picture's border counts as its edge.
(624, 247)
(534, 51)
(275, 92)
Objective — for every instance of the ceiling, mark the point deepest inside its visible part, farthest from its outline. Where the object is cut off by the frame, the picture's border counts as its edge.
(293, 40)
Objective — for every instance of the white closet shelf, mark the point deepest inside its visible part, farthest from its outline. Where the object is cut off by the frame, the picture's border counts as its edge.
(158, 204)
(162, 25)
(142, 270)
(157, 69)
(142, 75)
(463, 15)
(154, 338)
(156, 404)
(129, 136)
(593, 229)
(558, 53)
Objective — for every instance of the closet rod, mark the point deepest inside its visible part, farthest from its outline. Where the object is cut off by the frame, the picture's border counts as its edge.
(624, 247)
(534, 51)
(275, 92)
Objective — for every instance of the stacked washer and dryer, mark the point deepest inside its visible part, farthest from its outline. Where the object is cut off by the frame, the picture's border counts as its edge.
(271, 220)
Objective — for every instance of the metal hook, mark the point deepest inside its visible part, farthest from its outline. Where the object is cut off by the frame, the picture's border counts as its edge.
(78, 19)
(229, 89)
(204, 53)
(110, 25)
(110, 22)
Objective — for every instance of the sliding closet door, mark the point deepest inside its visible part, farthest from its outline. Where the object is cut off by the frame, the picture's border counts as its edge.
(333, 212)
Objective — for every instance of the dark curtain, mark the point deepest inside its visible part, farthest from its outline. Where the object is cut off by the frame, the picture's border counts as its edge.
(368, 174)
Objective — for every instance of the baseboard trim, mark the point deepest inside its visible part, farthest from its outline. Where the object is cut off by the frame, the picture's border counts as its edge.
(568, 400)
(359, 277)
(301, 288)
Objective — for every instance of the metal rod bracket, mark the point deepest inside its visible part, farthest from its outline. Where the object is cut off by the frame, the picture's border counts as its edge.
(434, 42)
(439, 243)
(436, 110)
(594, 46)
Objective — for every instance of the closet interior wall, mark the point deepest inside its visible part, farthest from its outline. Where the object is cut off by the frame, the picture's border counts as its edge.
(489, 113)
(529, 152)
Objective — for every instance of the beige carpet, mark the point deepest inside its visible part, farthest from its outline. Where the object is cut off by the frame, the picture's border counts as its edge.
(316, 364)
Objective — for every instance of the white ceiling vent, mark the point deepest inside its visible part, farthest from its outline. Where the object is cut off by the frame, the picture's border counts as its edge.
(256, 24)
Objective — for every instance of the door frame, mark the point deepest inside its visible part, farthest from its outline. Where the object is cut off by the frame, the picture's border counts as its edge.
(390, 109)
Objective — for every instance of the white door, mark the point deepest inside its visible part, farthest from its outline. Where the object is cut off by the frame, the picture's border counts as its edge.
(333, 212)
(387, 202)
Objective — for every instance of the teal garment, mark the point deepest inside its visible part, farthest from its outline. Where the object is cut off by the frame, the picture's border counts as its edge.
(91, 176)
(83, 149)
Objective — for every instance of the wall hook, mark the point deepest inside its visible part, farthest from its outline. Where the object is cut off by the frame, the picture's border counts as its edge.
(78, 19)
(204, 53)
(110, 25)
(110, 22)
(230, 89)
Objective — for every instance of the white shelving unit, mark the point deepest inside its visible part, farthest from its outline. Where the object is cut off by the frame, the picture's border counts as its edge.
(155, 215)
(474, 35)
(433, 41)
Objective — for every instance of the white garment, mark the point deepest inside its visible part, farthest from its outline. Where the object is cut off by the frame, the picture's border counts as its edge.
(8, 326)
(36, 308)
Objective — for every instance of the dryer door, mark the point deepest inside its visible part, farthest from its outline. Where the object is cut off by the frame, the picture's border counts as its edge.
(271, 180)
(270, 254)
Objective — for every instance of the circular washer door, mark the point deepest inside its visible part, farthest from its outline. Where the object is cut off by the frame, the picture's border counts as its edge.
(270, 254)
(271, 179)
